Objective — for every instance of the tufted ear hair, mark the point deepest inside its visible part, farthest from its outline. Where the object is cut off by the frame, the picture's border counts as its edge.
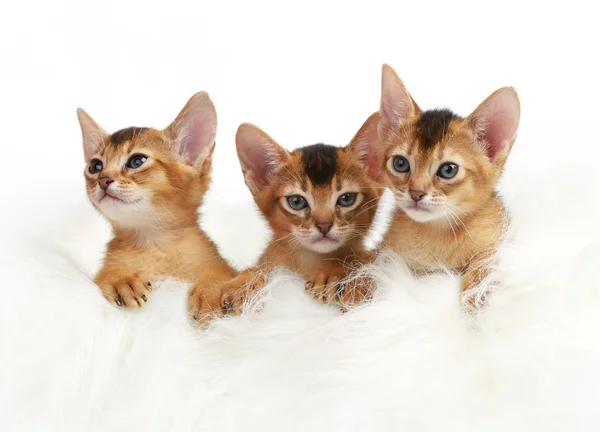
(397, 105)
(364, 145)
(495, 122)
(259, 156)
(93, 135)
(195, 128)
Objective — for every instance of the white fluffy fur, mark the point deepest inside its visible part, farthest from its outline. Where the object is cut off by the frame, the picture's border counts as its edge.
(408, 361)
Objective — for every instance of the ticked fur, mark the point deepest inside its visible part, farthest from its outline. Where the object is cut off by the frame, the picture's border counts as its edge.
(320, 233)
(149, 184)
(443, 170)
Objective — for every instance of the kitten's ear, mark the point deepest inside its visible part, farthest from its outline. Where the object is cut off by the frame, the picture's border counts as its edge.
(364, 145)
(397, 105)
(195, 128)
(93, 135)
(495, 123)
(259, 155)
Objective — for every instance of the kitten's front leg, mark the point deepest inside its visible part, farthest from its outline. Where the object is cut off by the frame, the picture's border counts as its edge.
(336, 285)
(340, 284)
(325, 285)
(204, 295)
(239, 289)
(473, 293)
(123, 287)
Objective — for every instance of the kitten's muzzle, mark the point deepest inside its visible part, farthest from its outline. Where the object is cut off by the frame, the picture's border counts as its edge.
(105, 181)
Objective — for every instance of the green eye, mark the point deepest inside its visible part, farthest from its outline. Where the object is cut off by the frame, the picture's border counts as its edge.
(136, 161)
(95, 166)
(400, 164)
(447, 170)
(347, 199)
(296, 202)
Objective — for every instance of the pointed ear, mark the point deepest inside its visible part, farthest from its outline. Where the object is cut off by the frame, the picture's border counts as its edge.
(259, 155)
(495, 122)
(195, 128)
(93, 135)
(397, 105)
(364, 145)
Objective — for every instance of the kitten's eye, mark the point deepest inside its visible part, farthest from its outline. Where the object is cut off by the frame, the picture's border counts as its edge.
(347, 199)
(400, 164)
(95, 166)
(136, 161)
(296, 202)
(447, 170)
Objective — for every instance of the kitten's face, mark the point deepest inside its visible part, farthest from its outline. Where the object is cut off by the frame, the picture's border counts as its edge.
(434, 168)
(142, 178)
(320, 197)
(442, 167)
(133, 175)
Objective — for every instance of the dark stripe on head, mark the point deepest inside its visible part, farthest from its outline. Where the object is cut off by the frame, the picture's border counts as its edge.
(320, 162)
(119, 137)
(433, 125)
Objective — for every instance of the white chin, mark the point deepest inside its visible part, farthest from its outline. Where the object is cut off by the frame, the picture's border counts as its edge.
(422, 215)
(127, 214)
(323, 246)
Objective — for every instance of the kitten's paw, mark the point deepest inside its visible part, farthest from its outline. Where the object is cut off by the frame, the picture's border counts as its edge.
(472, 302)
(474, 292)
(204, 302)
(325, 286)
(356, 291)
(131, 291)
(239, 290)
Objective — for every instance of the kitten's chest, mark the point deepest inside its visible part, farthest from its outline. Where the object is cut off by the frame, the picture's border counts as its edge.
(427, 248)
(181, 258)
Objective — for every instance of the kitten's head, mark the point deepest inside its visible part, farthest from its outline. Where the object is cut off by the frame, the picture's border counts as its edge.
(141, 178)
(439, 165)
(321, 197)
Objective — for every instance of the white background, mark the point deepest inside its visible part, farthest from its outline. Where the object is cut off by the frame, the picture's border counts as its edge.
(305, 72)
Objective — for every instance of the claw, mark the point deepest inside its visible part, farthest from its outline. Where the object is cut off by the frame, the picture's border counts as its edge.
(227, 306)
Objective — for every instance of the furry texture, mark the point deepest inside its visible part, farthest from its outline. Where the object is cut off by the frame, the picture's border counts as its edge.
(408, 361)
(443, 171)
(149, 185)
(320, 203)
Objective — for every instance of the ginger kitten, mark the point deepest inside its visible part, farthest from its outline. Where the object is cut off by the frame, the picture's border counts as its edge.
(443, 170)
(320, 201)
(149, 184)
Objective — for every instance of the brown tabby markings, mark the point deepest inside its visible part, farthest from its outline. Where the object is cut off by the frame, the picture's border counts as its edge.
(153, 208)
(323, 242)
(452, 222)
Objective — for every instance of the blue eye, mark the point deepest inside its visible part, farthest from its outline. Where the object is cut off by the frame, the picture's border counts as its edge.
(136, 161)
(95, 166)
(447, 170)
(347, 199)
(400, 164)
(296, 202)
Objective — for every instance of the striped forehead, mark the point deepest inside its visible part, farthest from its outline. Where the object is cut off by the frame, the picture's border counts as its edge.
(319, 163)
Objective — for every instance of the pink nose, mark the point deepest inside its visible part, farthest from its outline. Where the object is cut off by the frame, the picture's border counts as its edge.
(324, 226)
(105, 181)
(417, 195)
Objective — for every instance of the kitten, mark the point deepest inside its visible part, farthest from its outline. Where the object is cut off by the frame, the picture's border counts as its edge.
(149, 184)
(320, 201)
(443, 170)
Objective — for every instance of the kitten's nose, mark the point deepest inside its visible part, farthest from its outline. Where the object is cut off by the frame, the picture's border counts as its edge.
(324, 226)
(417, 195)
(105, 181)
